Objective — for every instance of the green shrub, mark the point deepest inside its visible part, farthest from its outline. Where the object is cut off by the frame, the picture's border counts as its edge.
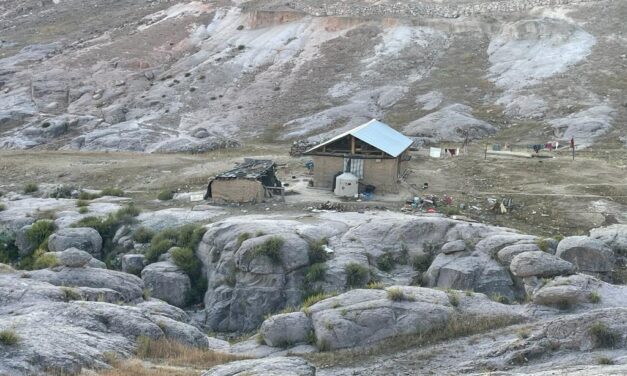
(422, 263)
(315, 273)
(82, 203)
(543, 244)
(157, 249)
(317, 252)
(31, 188)
(9, 337)
(386, 262)
(117, 192)
(357, 275)
(449, 210)
(46, 260)
(604, 336)
(40, 231)
(604, 360)
(185, 259)
(70, 294)
(373, 285)
(190, 235)
(83, 210)
(129, 211)
(242, 238)
(271, 249)
(2, 207)
(8, 251)
(594, 297)
(165, 195)
(87, 196)
(143, 235)
(499, 298)
(63, 191)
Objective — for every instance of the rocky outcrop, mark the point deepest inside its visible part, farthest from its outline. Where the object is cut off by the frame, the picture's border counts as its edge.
(540, 264)
(363, 317)
(85, 239)
(588, 255)
(133, 263)
(281, 366)
(614, 236)
(129, 286)
(73, 258)
(64, 330)
(167, 282)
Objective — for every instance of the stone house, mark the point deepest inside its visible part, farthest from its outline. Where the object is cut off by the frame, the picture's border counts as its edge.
(374, 152)
(249, 182)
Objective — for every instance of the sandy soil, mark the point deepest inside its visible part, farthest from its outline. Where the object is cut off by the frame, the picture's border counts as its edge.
(550, 196)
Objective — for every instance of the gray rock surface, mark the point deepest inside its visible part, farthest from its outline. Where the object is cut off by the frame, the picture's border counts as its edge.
(128, 285)
(133, 263)
(589, 255)
(73, 258)
(281, 366)
(454, 246)
(167, 282)
(540, 264)
(23, 244)
(286, 329)
(614, 236)
(68, 329)
(507, 254)
(85, 239)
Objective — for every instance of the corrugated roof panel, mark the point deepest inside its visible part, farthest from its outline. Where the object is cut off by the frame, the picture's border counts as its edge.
(377, 134)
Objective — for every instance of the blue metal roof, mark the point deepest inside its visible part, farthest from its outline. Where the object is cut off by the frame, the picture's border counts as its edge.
(377, 134)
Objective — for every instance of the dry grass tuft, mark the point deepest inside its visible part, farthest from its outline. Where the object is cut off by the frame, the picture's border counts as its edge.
(175, 353)
(136, 367)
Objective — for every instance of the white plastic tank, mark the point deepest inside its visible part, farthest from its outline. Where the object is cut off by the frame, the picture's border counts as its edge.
(347, 185)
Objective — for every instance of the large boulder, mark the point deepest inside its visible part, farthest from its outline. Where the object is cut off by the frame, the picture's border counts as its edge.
(23, 244)
(507, 254)
(133, 263)
(286, 329)
(475, 272)
(279, 366)
(86, 239)
(73, 258)
(167, 282)
(614, 236)
(64, 330)
(539, 264)
(589, 255)
(130, 286)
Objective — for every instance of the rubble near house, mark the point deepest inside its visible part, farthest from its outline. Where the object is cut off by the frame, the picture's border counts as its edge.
(252, 181)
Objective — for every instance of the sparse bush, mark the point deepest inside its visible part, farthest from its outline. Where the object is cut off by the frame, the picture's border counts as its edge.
(422, 263)
(9, 337)
(44, 261)
(87, 196)
(116, 192)
(499, 298)
(449, 210)
(453, 298)
(604, 336)
(386, 262)
(143, 235)
(357, 275)
(82, 203)
(604, 360)
(259, 233)
(63, 191)
(40, 231)
(271, 249)
(8, 251)
(374, 285)
(178, 354)
(2, 207)
(315, 273)
(70, 294)
(543, 244)
(31, 188)
(165, 195)
(83, 210)
(127, 212)
(523, 333)
(311, 300)
(186, 259)
(190, 235)
(317, 252)
(594, 297)
(395, 294)
(242, 238)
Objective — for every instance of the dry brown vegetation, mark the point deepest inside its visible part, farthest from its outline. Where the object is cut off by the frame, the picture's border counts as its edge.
(166, 357)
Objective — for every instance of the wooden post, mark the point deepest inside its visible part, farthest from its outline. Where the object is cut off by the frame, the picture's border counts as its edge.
(485, 156)
(353, 145)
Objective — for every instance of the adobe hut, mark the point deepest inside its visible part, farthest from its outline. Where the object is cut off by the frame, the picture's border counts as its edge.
(373, 152)
(251, 181)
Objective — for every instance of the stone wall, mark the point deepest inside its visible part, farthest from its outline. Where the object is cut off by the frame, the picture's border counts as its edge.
(237, 190)
(382, 173)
